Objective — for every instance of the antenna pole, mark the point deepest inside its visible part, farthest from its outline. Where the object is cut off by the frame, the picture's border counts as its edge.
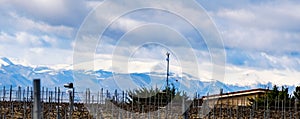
(168, 62)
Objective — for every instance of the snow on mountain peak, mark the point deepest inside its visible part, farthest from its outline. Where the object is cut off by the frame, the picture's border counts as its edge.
(13, 61)
(5, 61)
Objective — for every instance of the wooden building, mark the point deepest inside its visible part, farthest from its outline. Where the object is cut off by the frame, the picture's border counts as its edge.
(233, 99)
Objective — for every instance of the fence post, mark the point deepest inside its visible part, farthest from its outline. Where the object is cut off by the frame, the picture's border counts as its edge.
(24, 91)
(10, 93)
(89, 96)
(92, 105)
(50, 96)
(62, 97)
(184, 111)
(116, 95)
(296, 101)
(107, 94)
(27, 94)
(101, 98)
(42, 96)
(37, 99)
(19, 93)
(24, 107)
(73, 99)
(97, 106)
(123, 97)
(4, 92)
(71, 104)
(58, 104)
(31, 95)
(55, 93)
(86, 95)
(47, 97)
(12, 110)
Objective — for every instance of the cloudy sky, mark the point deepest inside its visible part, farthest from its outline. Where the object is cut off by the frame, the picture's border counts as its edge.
(261, 38)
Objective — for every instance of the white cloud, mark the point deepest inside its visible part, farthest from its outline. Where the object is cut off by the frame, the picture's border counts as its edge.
(26, 24)
(91, 4)
(38, 55)
(21, 39)
(23, 31)
(34, 48)
(262, 26)
(241, 15)
(50, 40)
(261, 39)
(280, 62)
(52, 7)
(126, 24)
(67, 12)
(6, 38)
(25, 39)
(244, 76)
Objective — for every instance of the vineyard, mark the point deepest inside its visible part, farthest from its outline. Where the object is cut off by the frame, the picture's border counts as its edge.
(18, 104)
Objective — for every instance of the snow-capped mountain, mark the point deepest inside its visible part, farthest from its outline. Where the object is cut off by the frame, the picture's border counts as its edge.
(20, 75)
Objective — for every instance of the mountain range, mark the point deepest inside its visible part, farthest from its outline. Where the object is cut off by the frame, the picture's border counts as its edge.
(13, 74)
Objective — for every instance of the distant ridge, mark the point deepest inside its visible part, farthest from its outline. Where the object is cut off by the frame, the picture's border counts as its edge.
(19, 75)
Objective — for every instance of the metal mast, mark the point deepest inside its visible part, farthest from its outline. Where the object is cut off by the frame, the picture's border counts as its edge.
(168, 62)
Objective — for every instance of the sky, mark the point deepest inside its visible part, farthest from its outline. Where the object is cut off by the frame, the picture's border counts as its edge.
(260, 38)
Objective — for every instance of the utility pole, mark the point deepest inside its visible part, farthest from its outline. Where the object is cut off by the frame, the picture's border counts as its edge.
(168, 88)
(168, 63)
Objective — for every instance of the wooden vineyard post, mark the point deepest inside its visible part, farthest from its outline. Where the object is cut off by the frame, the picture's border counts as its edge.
(58, 104)
(37, 99)
(4, 92)
(10, 93)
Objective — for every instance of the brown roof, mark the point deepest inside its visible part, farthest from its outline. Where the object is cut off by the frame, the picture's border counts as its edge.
(239, 92)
